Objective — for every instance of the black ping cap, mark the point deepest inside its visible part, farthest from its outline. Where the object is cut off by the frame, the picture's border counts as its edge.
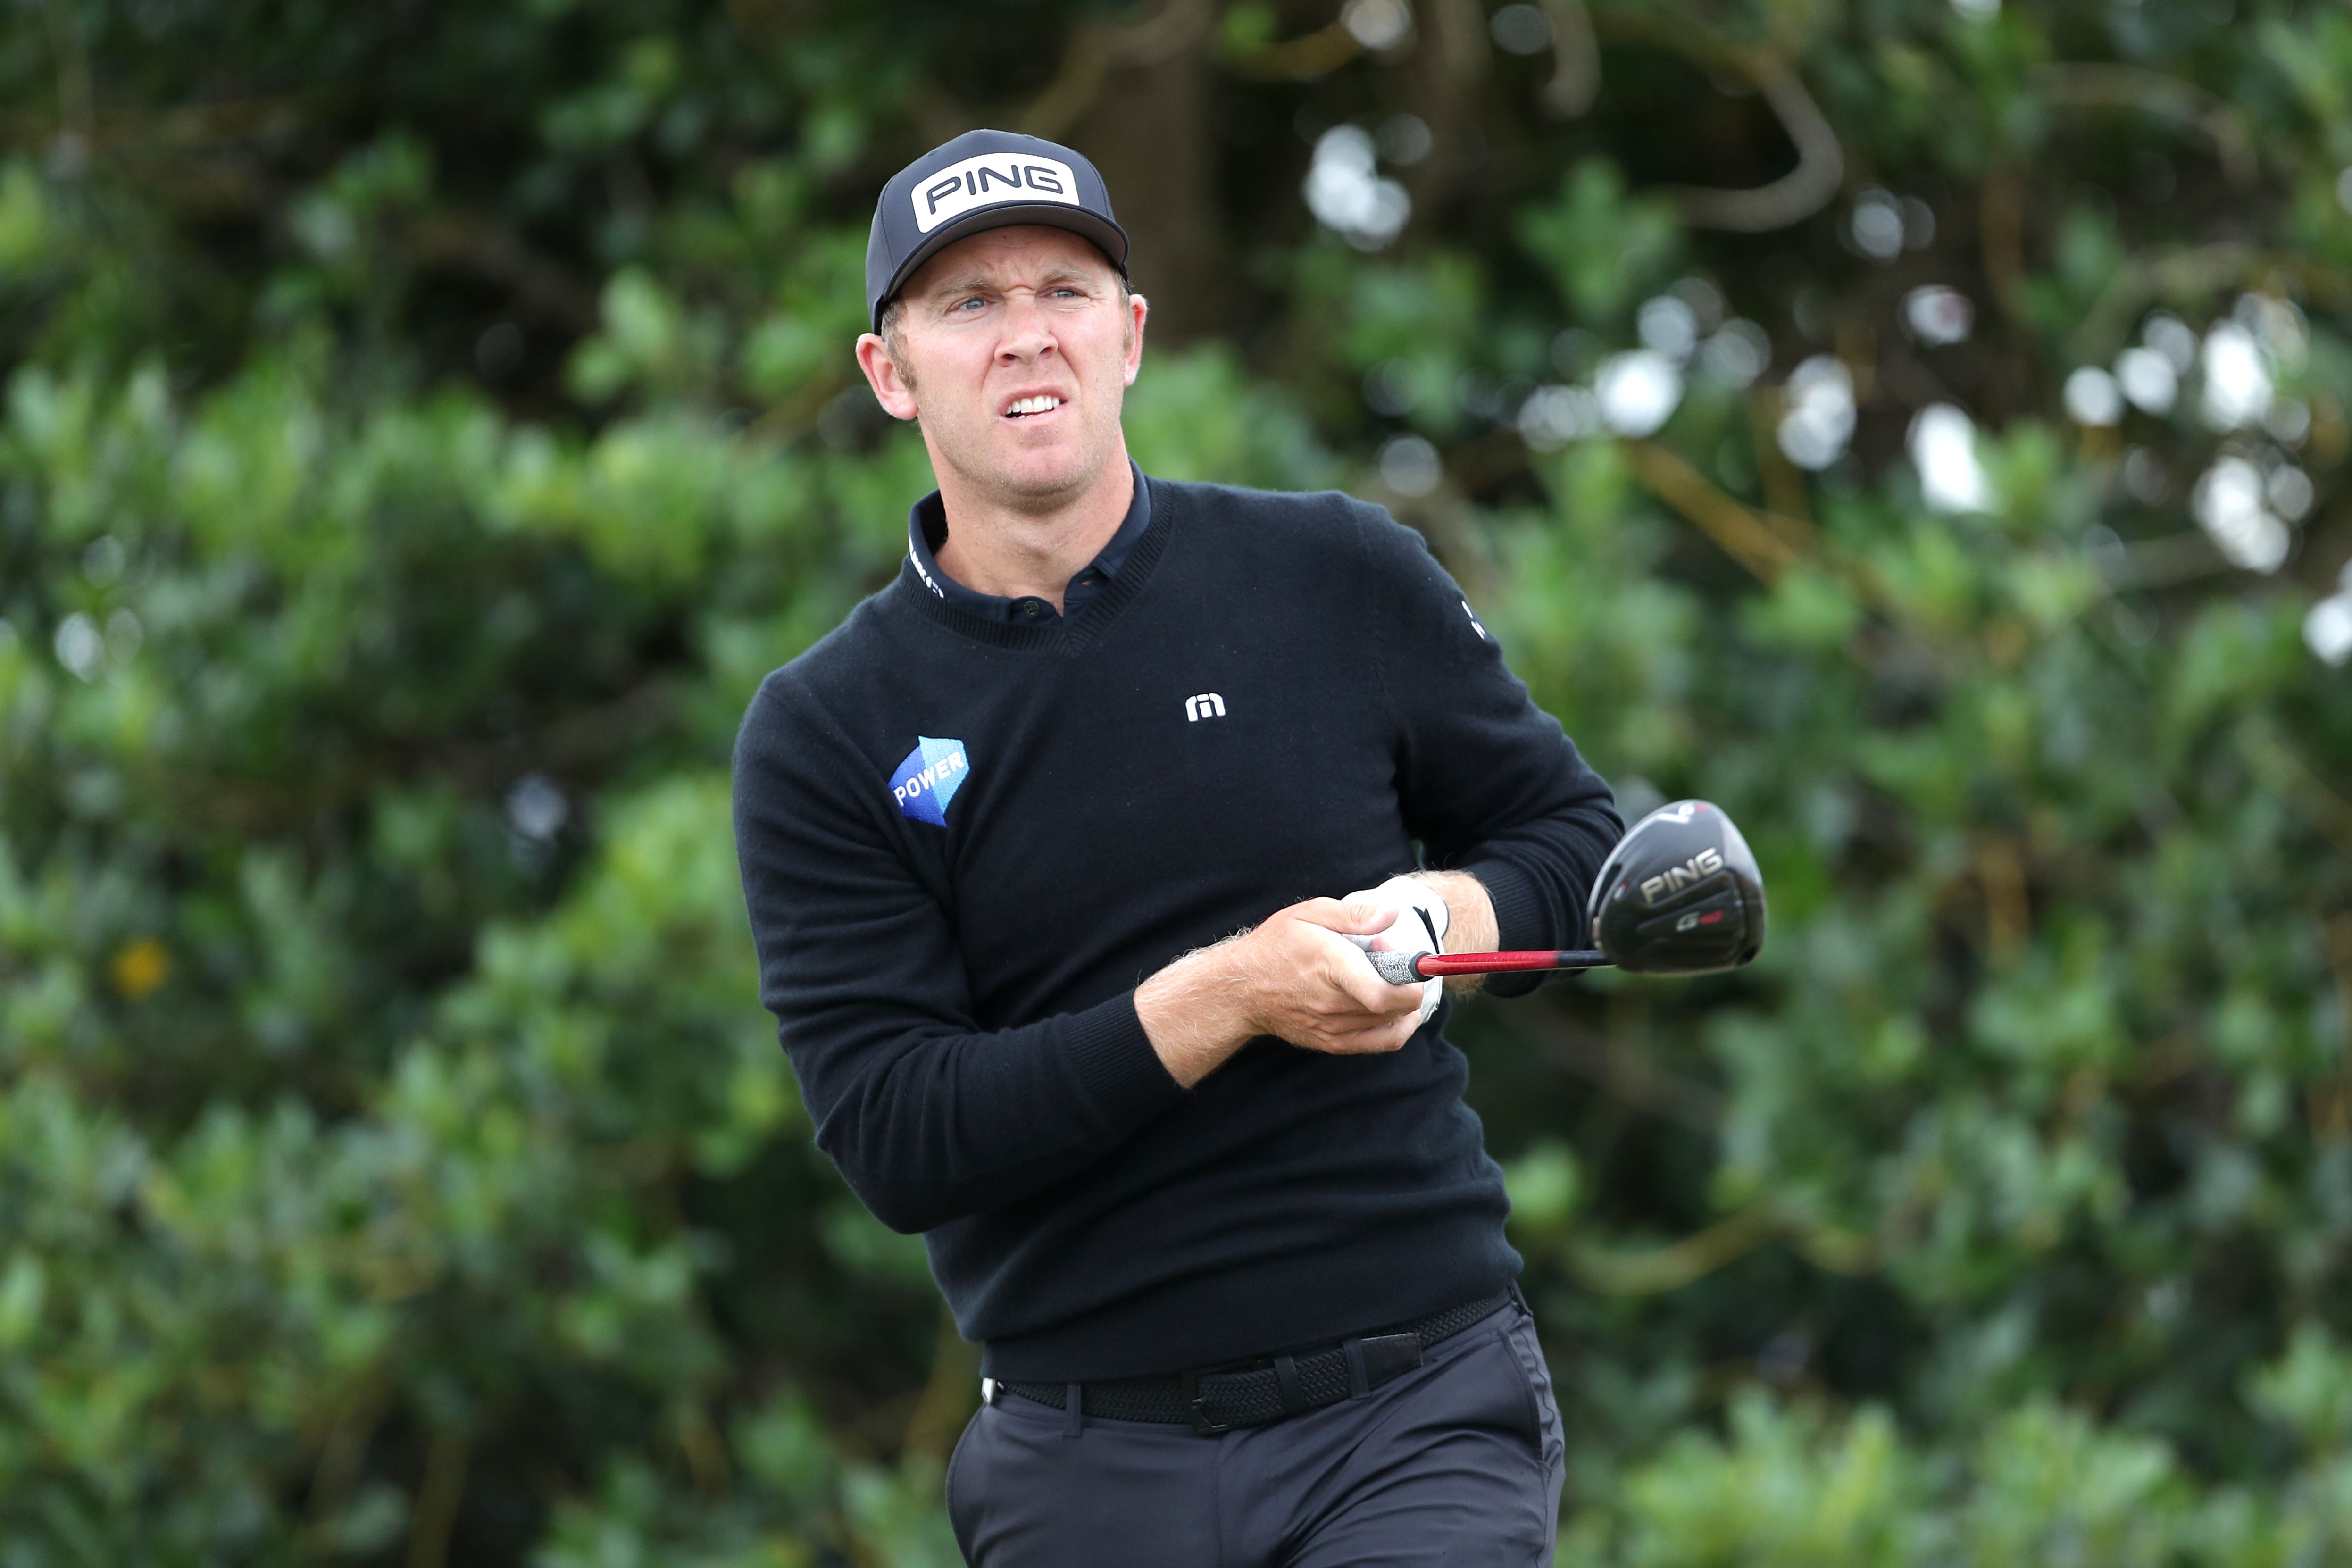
(983, 179)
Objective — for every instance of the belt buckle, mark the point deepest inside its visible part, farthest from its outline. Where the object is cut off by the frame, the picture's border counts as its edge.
(1188, 1386)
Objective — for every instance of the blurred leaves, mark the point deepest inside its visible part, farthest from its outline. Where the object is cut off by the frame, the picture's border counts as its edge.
(421, 432)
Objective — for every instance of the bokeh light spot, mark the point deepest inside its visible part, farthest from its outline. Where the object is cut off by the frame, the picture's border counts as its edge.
(140, 969)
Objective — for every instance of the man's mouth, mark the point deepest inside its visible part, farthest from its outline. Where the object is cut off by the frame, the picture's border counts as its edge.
(1022, 407)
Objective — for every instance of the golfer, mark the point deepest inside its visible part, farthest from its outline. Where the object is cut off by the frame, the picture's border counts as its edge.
(1049, 852)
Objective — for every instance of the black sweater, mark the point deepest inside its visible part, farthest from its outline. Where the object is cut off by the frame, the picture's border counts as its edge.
(964, 842)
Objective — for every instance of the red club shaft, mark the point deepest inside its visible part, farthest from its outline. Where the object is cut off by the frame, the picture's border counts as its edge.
(1430, 965)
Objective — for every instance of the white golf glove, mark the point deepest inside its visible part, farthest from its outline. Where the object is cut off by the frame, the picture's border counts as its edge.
(1420, 923)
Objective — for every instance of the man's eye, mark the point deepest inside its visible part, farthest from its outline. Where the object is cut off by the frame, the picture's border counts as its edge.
(973, 304)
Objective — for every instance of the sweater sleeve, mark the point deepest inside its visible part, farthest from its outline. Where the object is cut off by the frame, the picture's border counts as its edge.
(928, 1117)
(1490, 783)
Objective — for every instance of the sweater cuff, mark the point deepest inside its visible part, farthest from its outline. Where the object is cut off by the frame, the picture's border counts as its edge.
(1520, 920)
(1116, 1065)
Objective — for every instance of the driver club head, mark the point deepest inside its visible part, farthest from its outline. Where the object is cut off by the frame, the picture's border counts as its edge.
(1679, 895)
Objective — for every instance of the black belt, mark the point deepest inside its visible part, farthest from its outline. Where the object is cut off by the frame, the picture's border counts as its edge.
(1258, 1393)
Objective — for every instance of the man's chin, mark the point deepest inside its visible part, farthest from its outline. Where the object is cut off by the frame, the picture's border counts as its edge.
(1040, 481)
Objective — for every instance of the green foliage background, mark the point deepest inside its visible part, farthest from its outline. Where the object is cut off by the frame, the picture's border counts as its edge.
(424, 424)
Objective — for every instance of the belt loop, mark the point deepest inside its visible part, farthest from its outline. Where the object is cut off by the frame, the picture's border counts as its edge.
(1358, 1385)
(1074, 1417)
(1286, 1373)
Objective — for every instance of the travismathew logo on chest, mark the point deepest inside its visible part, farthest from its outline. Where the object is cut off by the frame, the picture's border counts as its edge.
(927, 779)
(989, 179)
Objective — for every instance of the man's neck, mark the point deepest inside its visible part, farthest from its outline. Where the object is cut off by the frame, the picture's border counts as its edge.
(991, 548)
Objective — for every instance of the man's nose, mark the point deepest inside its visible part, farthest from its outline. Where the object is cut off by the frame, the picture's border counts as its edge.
(1027, 334)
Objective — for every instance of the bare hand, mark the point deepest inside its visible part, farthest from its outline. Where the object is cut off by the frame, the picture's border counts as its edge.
(1307, 987)
(1295, 978)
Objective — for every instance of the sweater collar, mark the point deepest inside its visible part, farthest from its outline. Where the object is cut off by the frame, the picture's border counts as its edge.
(927, 531)
(928, 598)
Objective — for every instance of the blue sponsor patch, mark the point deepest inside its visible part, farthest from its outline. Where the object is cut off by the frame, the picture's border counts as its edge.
(930, 778)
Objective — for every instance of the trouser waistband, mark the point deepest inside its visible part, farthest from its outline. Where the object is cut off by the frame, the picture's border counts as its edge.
(1258, 1393)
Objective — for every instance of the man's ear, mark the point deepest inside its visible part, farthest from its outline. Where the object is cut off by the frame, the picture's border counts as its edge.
(891, 389)
(1137, 308)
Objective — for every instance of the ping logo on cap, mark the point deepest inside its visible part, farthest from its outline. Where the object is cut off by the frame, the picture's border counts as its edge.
(990, 178)
(928, 778)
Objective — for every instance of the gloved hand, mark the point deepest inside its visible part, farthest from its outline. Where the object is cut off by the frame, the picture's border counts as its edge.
(1420, 923)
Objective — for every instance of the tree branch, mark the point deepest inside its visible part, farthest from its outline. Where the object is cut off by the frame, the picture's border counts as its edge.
(446, 1459)
(1625, 1073)
(2277, 765)
(1795, 195)
(1575, 60)
(1821, 158)
(1762, 543)
(1316, 55)
(2190, 271)
(77, 102)
(1670, 1268)
(1096, 48)
(2110, 86)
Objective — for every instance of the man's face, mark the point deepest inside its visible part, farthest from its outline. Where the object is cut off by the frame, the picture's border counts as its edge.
(1018, 348)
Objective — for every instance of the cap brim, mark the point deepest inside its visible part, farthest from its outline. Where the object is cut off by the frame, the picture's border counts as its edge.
(1108, 237)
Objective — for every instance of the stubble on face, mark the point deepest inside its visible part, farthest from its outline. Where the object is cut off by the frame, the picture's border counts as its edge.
(1023, 310)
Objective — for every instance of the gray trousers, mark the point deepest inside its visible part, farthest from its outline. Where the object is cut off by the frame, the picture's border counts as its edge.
(1457, 1462)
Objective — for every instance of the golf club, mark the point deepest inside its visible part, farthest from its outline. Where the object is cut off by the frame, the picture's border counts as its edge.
(1679, 895)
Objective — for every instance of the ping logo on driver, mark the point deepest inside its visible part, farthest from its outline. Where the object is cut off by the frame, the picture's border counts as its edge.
(1674, 878)
(928, 778)
(988, 180)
